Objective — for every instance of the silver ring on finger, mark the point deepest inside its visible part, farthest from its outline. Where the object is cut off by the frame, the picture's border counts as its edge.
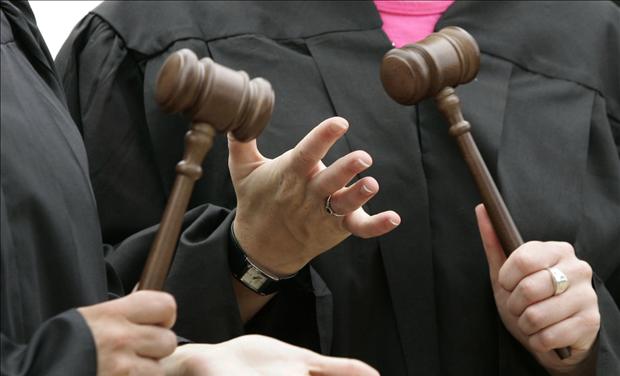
(559, 280)
(328, 207)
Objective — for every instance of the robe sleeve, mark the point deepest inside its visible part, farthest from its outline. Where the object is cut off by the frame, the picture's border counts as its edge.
(598, 240)
(608, 357)
(63, 345)
(199, 276)
(103, 81)
(200, 280)
(103, 86)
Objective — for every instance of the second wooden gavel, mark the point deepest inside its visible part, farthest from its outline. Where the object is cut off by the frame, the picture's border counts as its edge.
(431, 68)
(217, 99)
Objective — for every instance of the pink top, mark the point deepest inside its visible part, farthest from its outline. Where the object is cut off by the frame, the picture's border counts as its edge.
(407, 22)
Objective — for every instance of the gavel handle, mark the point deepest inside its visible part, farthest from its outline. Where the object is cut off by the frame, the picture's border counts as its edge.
(504, 226)
(507, 232)
(198, 142)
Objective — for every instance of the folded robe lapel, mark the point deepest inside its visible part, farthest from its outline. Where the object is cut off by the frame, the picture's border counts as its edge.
(383, 126)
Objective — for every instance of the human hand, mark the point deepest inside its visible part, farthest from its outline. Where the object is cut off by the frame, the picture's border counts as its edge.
(132, 333)
(258, 355)
(281, 221)
(524, 295)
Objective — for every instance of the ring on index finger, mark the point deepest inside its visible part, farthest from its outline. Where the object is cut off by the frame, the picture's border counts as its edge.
(328, 207)
(559, 280)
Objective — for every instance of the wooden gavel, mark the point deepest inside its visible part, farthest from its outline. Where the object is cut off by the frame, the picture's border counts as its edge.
(431, 68)
(217, 99)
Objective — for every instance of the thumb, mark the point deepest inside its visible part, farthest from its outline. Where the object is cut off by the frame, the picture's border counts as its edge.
(145, 307)
(241, 153)
(492, 247)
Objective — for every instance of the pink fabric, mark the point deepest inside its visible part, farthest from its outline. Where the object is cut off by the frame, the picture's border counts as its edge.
(410, 21)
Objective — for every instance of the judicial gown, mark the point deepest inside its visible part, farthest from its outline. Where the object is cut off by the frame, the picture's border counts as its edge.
(52, 256)
(545, 110)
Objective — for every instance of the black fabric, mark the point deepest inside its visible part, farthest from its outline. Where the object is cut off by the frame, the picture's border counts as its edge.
(50, 240)
(544, 110)
(60, 345)
(52, 256)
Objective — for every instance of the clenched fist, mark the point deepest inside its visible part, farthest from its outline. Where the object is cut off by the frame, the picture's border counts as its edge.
(132, 333)
(531, 310)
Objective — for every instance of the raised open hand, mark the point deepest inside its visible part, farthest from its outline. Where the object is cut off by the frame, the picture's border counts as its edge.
(281, 220)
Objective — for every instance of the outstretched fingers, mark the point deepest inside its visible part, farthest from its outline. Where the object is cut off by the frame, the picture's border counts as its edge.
(359, 223)
(339, 173)
(347, 200)
(315, 145)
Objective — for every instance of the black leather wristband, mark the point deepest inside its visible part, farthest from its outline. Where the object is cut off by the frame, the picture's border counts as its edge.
(248, 273)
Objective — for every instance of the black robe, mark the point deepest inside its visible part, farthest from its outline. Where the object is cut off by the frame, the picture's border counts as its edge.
(545, 110)
(52, 256)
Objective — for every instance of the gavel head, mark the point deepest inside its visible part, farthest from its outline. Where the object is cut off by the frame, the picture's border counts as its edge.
(417, 71)
(212, 93)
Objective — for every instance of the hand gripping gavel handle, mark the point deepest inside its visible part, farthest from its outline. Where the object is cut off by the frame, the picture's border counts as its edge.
(430, 68)
(507, 232)
(217, 99)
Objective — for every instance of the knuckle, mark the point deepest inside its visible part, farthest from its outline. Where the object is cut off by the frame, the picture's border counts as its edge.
(351, 166)
(547, 339)
(513, 305)
(565, 249)
(502, 277)
(585, 270)
(169, 304)
(524, 261)
(592, 319)
(119, 339)
(121, 365)
(169, 341)
(165, 304)
(531, 318)
(535, 344)
(529, 289)
(303, 155)
(288, 188)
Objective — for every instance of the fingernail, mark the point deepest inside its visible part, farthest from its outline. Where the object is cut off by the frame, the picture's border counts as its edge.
(339, 125)
(343, 122)
(395, 222)
(363, 163)
(366, 189)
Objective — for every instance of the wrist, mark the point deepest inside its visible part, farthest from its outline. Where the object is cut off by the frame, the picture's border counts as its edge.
(250, 273)
(264, 253)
